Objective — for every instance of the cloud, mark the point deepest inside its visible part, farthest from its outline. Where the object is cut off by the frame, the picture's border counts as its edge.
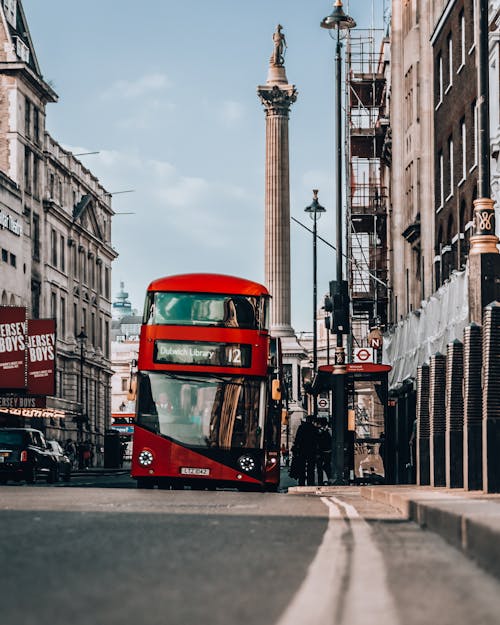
(231, 112)
(138, 88)
(181, 223)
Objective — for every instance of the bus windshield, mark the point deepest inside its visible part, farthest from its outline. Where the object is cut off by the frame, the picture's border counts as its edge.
(202, 412)
(232, 311)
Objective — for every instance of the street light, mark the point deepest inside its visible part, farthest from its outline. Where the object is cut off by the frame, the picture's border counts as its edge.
(338, 20)
(315, 210)
(81, 338)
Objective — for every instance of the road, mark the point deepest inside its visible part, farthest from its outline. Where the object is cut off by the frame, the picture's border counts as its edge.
(99, 551)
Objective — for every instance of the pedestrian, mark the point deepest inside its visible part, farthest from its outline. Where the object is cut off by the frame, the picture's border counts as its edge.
(324, 456)
(304, 452)
(70, 451)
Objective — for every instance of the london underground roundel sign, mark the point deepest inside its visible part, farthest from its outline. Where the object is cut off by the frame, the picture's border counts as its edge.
(363, 354)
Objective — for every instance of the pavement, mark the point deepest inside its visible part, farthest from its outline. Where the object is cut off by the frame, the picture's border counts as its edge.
(468, 520)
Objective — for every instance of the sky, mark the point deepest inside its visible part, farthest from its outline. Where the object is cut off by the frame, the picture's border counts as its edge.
(166, 92)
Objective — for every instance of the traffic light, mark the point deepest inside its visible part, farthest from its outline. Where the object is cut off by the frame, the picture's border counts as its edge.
(339, 294)
(328, 307)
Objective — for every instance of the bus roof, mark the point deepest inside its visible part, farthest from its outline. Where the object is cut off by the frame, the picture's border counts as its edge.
(208, 283)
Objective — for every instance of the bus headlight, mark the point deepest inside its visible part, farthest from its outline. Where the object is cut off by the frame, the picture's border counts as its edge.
(145, 458)
(246, 463)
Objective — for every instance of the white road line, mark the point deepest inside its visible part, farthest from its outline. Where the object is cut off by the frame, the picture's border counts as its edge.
(347, 557)
(315, 601)
(367, 596)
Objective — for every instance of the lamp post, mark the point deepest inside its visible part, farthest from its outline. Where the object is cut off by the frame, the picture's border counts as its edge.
(81, 338)
(315, 210)
(338, 20)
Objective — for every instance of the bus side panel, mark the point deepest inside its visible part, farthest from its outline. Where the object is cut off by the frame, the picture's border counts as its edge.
(169, 458)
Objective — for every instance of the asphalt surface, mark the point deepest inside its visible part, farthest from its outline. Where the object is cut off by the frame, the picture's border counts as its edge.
(93, 553)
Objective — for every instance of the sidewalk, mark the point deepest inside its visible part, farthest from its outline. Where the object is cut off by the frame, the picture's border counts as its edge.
(470, 521)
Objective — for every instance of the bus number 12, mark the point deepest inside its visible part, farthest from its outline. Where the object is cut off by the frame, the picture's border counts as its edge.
(234, 355)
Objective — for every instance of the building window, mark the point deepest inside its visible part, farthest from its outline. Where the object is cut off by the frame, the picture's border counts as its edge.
(75, 319)
(13, 260)
(27, 169)
(92, 328)
(53, 247)
(474, 132)
(124, 385)
(450, 166)
(106, 282)
(461, 38)
(75, 262)
(53, 305)
(5, 256)
(36, 125)
(450, 61)
(35, 176)
(473, 25)
(440, 180)
(100, 332)
(439, 86)
(84, 267)
(27, 118)
(106, 339)
(35, 299)
(464, 147)
(62, 250)
(35, 237)
(84, 320)
(51, 186)
(62, 324)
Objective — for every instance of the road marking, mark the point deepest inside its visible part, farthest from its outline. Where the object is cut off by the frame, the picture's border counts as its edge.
(346, 582)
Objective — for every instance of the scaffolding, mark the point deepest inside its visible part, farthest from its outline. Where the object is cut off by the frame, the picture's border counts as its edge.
(366, 123)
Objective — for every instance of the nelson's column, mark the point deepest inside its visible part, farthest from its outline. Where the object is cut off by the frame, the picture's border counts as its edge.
(277, 96)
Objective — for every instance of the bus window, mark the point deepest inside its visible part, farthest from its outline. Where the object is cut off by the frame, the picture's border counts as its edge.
(236, 311)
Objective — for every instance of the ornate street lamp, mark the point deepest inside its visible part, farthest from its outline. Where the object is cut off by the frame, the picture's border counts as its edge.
(81, 338)
(315, 210)
(338, 20)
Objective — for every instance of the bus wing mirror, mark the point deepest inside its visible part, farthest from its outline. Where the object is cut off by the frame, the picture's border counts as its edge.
(276, 390)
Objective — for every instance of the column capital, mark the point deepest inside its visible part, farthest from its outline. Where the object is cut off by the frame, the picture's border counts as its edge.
(277, 100)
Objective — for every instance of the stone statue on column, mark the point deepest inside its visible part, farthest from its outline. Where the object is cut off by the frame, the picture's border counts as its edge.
(278, 56)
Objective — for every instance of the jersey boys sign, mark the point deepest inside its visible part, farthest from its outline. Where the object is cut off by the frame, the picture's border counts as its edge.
(13, 347)
(201, 353)
(41, 344)
(27, 352)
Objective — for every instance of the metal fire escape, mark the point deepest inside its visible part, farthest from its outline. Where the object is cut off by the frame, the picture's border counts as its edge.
(367, 199)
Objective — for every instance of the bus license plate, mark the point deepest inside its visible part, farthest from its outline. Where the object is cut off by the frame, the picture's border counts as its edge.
(194, 471)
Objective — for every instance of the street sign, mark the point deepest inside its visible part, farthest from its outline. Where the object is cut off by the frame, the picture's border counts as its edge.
(323, 403)
(363, 354)
(375, 339)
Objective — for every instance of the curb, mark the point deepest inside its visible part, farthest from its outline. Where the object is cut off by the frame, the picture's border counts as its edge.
(468, 521)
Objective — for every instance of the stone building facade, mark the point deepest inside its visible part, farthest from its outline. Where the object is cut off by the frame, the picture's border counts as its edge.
(55, 242)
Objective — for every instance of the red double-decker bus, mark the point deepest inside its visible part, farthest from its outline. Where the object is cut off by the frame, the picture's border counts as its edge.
(209, 376)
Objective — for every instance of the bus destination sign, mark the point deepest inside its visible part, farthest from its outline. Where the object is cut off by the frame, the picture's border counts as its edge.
(201, 353)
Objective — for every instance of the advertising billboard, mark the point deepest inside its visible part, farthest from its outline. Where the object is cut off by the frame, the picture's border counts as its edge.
(41, 348)
(12, 347)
